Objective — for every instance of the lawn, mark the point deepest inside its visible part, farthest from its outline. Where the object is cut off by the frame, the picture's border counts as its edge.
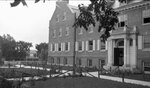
(83, 82)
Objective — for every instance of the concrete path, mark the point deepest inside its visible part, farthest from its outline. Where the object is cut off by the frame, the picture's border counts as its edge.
(144, 83)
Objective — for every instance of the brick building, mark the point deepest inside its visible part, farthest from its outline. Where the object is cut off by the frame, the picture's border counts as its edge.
(128, 46)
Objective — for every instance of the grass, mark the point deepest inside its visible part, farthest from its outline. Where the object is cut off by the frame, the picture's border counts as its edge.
(83, 82)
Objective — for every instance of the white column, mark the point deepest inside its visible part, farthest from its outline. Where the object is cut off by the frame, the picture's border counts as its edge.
(110, 53)
(125, 52)
(135, 52)
(128, 53)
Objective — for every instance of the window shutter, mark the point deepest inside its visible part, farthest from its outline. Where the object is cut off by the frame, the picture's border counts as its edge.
(76, 46)
(68, 46)
(82, 45)
(93, 44)
(86, 46)
(98, 44)
(140, 41)
(106, 47)
(63, 49)
(50, 47)
(56, 46)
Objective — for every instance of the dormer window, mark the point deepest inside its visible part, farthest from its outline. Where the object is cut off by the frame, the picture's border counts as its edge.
(64, 16)
(146, 16)
(57, 18)
(122, 20)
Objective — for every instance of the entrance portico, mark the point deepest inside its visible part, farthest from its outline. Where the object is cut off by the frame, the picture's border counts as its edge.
(122, 49)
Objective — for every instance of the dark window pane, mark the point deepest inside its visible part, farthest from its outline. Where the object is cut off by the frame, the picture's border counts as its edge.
(147, 20)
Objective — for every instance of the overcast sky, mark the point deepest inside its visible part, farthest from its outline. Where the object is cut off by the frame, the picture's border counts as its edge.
(30, 23)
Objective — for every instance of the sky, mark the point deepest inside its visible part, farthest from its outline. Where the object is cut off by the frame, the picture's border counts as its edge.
(29, 23)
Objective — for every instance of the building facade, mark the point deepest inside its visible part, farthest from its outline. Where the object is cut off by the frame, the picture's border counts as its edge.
(127, 47)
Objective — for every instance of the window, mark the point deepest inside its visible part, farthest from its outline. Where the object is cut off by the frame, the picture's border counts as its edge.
(122, 20)
(65, 60)
(57, 18)
(58, 60)
(131, 42)
(67, 31)
(80, 45)
(89, 62)
(81, 31)
(146, 16)
(66, 46)
(79, 61)
(90, 28)
(59, 47)
(103, 45)
(54, 34)
(147, 41)
(64, 16)
(53, 47)
(60, 32)
(90, 45)
(52, 60)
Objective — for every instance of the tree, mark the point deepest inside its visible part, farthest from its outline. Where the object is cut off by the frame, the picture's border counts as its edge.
(42, 51)
(97, 12)
(22, 49)
(8, 46)
(12, 50)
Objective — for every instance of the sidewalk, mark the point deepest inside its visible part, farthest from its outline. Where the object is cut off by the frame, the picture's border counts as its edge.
(138, 82)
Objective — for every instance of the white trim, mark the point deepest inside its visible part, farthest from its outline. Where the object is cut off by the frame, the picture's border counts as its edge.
(98, 44)
(68, 46)
(94, 45)
(82, 45)
(76, 46)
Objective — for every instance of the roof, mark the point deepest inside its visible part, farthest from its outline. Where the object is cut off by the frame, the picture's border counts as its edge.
(33, 51)
(133, 5)
(74, 9)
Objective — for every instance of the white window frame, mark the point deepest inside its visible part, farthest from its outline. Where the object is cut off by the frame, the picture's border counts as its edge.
(64, 16)
(67, 31)
(54, 34)
(145, 49)
(79, 46)
(101, 45)
(81, 31)
(145, 14)
(90, 28)
(57, 18)
(123, 18)
(60, 32)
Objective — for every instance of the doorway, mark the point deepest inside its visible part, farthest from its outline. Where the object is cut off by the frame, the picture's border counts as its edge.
(118, 56)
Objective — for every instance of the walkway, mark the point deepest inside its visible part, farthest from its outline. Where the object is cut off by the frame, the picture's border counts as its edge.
(145, 83)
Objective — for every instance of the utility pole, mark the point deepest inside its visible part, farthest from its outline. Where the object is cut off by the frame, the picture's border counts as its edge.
(74, 53)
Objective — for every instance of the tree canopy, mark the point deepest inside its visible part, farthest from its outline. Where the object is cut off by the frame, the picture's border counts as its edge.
(98, 11)
(42, 51)
(13, 50)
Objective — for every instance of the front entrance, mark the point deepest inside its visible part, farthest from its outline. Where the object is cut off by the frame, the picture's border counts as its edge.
(118, 56)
